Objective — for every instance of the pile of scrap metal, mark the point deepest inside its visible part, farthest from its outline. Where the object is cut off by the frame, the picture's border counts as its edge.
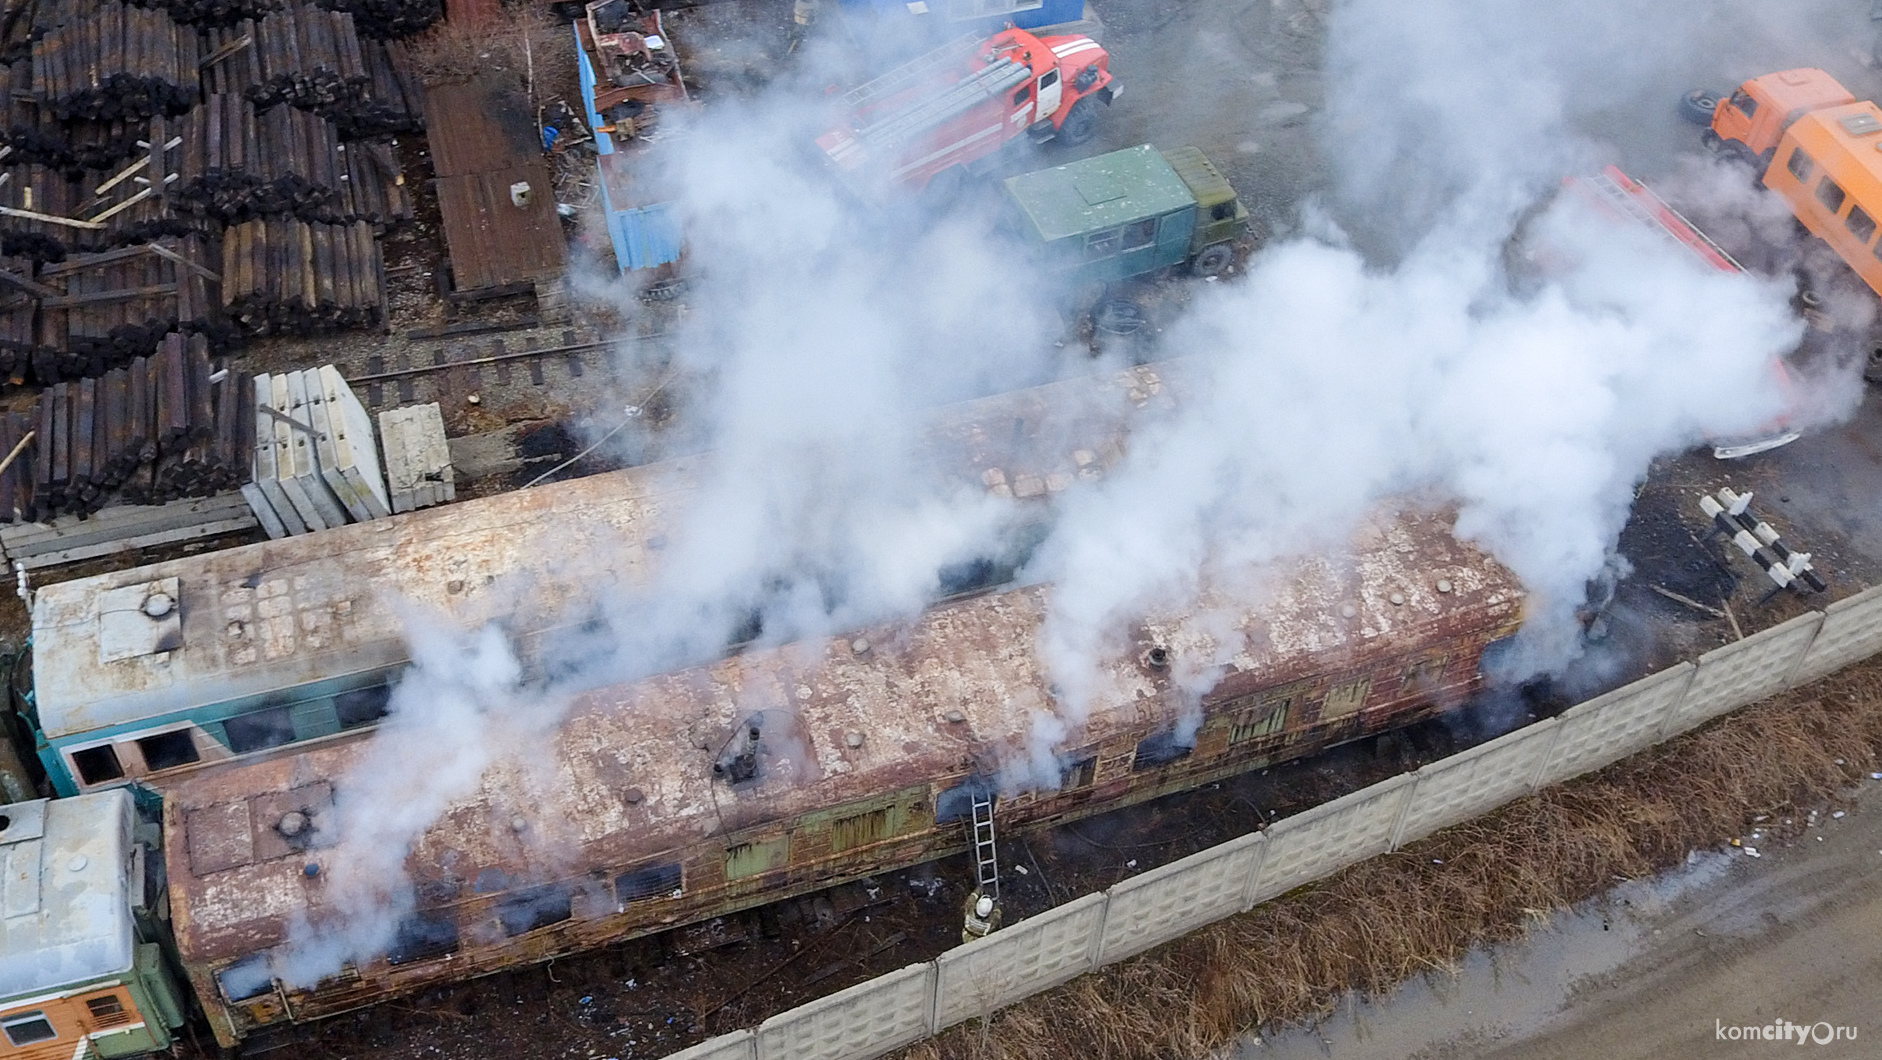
(635, 67)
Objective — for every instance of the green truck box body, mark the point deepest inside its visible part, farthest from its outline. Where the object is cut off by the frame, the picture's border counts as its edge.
(1125, 213)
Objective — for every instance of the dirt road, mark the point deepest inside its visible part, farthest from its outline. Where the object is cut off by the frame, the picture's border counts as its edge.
(1661, 969)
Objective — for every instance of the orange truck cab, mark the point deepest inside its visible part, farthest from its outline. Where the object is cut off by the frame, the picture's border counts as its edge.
(1753, 119)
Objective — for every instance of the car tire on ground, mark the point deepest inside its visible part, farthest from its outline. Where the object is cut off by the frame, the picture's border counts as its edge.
(1080, 124)
(1213, 260)
(1697, 106)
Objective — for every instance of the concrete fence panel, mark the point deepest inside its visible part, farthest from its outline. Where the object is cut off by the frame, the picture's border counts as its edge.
(1018, 961)
(1741, 673)
(868, 1019)
(738, 1045)
(1852, 631)
(1178, 898)
(1323, 840)
(1610, 727)
(1476, 781)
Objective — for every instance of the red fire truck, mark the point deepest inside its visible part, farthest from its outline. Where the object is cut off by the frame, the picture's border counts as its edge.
(1622, 196)
(930, 120)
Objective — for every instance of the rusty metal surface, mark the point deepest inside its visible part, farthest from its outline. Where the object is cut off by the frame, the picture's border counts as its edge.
(492, 241)
(483, 139)
(973, 660)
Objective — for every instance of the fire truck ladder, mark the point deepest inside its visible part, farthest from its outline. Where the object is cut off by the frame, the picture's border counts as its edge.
(948, 57)
(919, 115)
(986, 859)
(1629, 203)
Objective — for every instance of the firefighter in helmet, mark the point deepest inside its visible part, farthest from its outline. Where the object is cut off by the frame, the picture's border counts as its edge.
(982, 916)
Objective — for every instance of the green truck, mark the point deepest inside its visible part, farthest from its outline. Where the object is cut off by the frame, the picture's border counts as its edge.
(1128, 213)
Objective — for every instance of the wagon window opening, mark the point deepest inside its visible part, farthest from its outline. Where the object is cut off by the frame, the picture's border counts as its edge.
(758, 856)
(1345, 699)
(1158, 748)
(107, 1009)
(422, 936)
(1799, 164)
(537, 907)
(97, 764)
(655, 881)
(848, 833)
(168, 750)
(362, 706)
(1079, 774)
(1424, 674)
(27, 1028)
(1830, 194)
(247, 978)
(1260, 723)
(1860, 224)
(1101, 244)
(260, 730)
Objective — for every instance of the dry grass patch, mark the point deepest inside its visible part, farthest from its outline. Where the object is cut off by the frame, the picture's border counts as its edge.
(1421, 909)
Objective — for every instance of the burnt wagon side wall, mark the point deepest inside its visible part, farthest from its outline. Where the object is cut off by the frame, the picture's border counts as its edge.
(1400, 688)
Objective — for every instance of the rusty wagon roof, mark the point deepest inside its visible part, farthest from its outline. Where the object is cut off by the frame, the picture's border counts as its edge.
(285, 613)
(931, 697)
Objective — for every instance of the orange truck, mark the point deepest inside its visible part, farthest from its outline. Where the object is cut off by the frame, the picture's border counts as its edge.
(1817, 145)
(931, 120)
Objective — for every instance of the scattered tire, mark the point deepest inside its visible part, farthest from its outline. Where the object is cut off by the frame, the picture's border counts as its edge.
(1872, 368)
(1079, 125)
(1119, 316)
(1214, 260)
(1697, 106)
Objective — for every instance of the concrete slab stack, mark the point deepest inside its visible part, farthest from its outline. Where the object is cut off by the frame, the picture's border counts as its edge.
(315, 463)
(418, 460)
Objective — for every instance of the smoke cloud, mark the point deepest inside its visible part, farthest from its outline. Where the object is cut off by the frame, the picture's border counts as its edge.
(1337, 372)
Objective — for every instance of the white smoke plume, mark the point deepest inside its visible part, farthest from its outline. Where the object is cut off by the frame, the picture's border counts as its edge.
(1329, 380)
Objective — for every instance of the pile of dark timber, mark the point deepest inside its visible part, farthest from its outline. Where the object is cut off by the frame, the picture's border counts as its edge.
(235, 165)
(212, 12)
(392, 102)
(35, 136)
(43, 214)
(154, 430)
(372, 188)
(291, 277)
(119, 304)
(19, 319)
(313, 59)
(117, 62)
(389, 19)
(16, 482)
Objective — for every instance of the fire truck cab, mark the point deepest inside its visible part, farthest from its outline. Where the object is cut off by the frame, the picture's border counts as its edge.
(953, 108)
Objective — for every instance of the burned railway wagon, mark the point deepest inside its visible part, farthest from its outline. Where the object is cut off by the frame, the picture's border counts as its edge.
(242, 686)
(780, 771)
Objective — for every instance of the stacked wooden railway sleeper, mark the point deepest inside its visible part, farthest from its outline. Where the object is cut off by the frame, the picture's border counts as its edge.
(100, 310)
(314, 59)
(160, 428)
(106, 61)
(292, 277)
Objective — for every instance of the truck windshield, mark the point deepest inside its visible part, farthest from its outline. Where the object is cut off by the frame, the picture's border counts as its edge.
(1743, 101)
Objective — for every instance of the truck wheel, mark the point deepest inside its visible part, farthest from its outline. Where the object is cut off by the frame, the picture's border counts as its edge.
(1697, 106)
(1080, 124)
(1214, 260)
